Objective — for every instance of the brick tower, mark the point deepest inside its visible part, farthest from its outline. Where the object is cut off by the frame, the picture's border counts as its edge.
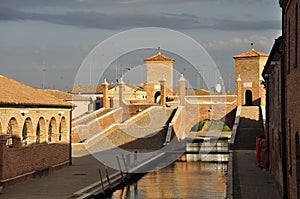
(158, 66)
(249, 67)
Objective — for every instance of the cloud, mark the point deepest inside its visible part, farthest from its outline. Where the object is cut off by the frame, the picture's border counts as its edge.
(96, 3)
(124, 20)
(238, 43)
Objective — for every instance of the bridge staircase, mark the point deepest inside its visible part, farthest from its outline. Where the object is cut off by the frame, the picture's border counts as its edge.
(250, 126)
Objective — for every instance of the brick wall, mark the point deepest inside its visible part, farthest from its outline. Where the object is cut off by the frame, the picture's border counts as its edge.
(292, 72)
(33, 158)
(93, 124)
(249, 71)
(22, 156)
(156, 70)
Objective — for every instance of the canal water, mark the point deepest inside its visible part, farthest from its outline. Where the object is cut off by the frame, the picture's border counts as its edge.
(188, 177)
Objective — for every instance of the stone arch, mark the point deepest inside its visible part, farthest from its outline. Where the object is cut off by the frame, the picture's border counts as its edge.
(248, 98)
(62, 132)
(40, 134)
(12, 131)
(51, 130)
(156, 96)
(27, 131)
(297, 144)
(205, 124)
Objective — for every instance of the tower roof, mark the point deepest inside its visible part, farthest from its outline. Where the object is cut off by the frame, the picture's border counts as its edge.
(251, 53)
(159, 57)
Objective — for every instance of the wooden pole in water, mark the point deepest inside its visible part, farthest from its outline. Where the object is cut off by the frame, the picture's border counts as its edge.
(107, 176)
(101, 180)
(120, 168)
(125, 163)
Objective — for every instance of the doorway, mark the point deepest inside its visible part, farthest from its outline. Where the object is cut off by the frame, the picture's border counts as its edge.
(157, 97)
(248, 96)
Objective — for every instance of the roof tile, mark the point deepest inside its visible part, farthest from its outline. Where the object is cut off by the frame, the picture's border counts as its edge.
(159, 57)
(251, 53)
(15, 93)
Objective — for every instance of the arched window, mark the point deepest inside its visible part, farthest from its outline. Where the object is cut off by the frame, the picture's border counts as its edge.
(51, 129)
(24, 134)
(40, 131)
(12, 130)
(50, 133)
(157, 97)
(59, 133)
(62, 129)
(27, 131)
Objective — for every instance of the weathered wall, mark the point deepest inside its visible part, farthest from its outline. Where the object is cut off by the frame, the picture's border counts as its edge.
(249, 70)
(91, 124)
(292, 59)
(22, 154)
(31, 160)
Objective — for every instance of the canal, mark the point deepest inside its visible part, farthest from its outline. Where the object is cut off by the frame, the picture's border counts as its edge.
(188, 177)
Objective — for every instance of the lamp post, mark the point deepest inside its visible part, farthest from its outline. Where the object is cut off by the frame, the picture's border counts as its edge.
(44, 77)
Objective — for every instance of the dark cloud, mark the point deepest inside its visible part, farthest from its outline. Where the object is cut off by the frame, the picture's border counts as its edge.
(101, 3)
(125, 20)
(227, 24)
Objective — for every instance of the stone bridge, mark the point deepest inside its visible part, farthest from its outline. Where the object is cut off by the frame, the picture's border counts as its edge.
(199, 108)
(191, 109)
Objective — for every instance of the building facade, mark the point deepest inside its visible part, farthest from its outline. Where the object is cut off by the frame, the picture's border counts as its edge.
(273, 84)
(291, 57)
(35, 132)
(282, 78)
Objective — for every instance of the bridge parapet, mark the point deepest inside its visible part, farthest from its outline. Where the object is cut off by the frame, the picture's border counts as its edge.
(198, 108)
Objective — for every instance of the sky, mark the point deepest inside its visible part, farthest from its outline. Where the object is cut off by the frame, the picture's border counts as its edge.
(44, 42)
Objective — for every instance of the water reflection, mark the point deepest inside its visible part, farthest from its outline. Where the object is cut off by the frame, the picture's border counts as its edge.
(180, 180)
(200, 173)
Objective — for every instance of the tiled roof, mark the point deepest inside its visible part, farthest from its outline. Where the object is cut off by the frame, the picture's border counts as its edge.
(89, 89)
(159, 57)
(251, 53)
(64, 95)
(14, 93)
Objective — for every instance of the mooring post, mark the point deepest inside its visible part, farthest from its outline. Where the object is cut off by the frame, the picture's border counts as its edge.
(120, 168)
(107, 176)
(125, 164)
(101, 180)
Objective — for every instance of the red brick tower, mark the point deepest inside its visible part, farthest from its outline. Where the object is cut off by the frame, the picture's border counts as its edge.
(249, 67)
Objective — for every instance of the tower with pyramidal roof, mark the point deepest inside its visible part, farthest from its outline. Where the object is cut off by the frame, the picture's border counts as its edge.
(158, 67)
(249, 67)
